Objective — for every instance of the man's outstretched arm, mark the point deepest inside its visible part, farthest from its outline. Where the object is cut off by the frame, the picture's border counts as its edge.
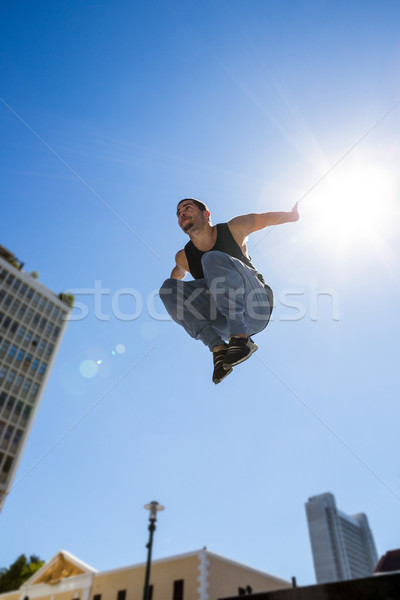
(247, 224)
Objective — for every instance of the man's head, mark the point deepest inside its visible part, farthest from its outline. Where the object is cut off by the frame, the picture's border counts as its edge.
(192, 213)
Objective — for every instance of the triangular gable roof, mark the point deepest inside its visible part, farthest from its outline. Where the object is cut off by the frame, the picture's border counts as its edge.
(244, 566)
(62, 566)
(198, 553)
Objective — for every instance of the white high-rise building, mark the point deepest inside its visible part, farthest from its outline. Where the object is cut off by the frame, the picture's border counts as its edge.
(342, 545)
(32, 323)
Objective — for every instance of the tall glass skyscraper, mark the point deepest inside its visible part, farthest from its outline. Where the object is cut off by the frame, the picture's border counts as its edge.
(32, 322)
(342, 545)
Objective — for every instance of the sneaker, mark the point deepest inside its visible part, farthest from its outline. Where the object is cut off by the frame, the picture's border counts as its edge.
(239, 349)
(220, 372)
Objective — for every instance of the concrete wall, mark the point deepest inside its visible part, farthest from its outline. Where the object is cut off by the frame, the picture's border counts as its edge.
(225, 577)
(163, 575)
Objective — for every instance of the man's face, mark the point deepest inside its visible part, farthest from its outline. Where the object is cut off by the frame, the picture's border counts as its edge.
(189, 215)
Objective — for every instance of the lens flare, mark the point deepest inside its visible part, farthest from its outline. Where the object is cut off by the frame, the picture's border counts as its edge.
(88, 369)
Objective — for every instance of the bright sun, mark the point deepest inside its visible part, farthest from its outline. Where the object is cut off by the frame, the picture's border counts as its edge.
(353, 206)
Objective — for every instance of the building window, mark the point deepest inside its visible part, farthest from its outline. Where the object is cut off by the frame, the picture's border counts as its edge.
(21, 332)
(178, 590)
(42, 368)
(18, 409)
(25, 389)
(22, 311)
(150, 592)
(9, 407)
(25, 415)
(8, 299)
(28, 315)
(15, 307)
(4, 348)
(33, 392)
(16, 440)
(22, 289)
(8, 433)
(20, 355)
(18, 382)
(121, 595)
(14, 327)
(7, 464)
(12, 351)
(6, 322)
(49, 349)
(27, 362)
(97, 597)
(10, 379)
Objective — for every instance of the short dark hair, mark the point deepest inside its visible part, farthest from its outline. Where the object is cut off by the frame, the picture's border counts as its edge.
(198, 203)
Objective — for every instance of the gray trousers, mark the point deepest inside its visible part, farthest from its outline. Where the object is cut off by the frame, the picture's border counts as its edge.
(230, 300)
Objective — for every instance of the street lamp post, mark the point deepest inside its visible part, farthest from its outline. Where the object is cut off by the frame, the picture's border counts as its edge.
(153, 507)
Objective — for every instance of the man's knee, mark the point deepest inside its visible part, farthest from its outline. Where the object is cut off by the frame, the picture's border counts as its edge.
(215, 257)
(168, 290)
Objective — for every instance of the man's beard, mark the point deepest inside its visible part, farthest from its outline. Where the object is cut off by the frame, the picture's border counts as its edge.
(187, 226)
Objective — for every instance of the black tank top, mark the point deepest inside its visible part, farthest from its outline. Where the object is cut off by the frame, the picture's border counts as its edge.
(225, 243)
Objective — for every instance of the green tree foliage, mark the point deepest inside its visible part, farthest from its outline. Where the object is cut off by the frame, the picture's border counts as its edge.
(19, 572)
(67, 298)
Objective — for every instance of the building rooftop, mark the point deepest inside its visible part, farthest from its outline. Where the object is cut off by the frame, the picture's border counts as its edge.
(389, 562)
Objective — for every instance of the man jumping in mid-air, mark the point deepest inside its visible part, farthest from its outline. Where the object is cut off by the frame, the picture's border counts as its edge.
(228, 298)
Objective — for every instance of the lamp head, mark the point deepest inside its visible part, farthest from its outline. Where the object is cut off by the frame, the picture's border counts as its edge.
(153, 507)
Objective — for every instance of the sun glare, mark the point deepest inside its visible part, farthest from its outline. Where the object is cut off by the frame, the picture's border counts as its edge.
(353, 206)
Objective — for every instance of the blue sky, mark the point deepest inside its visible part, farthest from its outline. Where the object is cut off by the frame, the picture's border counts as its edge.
(111, 113)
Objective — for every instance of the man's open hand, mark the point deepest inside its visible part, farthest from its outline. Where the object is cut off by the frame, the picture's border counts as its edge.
(295, 212)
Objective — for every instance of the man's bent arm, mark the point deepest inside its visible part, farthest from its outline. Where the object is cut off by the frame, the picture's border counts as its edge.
(179, 271)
